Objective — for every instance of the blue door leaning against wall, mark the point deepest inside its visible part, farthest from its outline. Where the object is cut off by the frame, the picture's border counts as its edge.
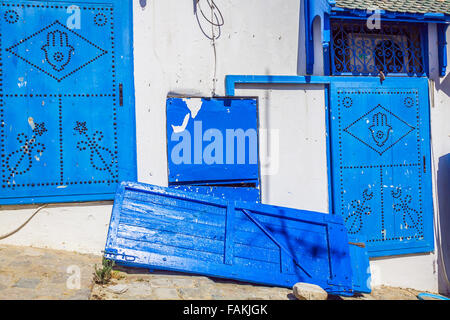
(380, 146)
(67, 100)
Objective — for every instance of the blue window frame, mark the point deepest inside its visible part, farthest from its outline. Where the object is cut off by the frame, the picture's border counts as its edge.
(326, 10)
(394, 48)
(397, 217)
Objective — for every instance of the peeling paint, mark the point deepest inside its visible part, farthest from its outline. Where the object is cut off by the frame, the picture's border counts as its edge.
(31, 123)
(179, 129)
(194, 105)
(22, 83)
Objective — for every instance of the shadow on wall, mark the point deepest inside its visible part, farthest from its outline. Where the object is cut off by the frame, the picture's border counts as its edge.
(443, 186)
(443, 85)
(301, 51)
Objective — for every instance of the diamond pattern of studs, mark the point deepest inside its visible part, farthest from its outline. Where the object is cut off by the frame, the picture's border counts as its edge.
(20, 161)
(360, 208)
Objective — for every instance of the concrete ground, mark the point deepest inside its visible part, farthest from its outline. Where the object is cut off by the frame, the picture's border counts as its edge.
(31, 273)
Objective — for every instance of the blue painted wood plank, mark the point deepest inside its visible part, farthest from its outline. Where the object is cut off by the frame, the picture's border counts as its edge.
(194, 233)
(225, 192)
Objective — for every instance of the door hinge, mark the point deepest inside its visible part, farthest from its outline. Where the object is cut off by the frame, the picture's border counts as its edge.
(358, 244)
(424, 164)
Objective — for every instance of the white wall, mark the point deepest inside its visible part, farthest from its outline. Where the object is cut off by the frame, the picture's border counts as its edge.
(76, 227)
(440, 132)
(297, 113)
(172, 55)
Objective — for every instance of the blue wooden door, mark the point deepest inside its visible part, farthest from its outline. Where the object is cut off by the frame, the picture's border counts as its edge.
(380, 146)
(168, 229)
(67, 101)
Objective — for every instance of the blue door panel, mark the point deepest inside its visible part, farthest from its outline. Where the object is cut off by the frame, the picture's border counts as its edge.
(168, 229)
(380, 147)
(31, 53)
(358, 204)
(67, 101)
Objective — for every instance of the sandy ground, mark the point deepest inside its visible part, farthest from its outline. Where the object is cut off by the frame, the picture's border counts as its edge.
(32, 274)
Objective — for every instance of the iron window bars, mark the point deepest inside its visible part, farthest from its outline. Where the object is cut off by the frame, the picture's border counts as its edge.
(393, 49)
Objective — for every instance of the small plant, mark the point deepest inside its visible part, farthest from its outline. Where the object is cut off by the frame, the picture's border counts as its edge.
(117, 275)
(103, 275)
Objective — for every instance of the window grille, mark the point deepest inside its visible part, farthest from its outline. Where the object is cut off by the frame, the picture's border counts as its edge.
(393, 49)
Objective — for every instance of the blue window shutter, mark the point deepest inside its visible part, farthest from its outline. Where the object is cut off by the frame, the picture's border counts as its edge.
(213, 145)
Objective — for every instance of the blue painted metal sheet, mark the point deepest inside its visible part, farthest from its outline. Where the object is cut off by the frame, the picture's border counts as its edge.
(380, 145)
(162, 228)
(67, 100)
(204, 137)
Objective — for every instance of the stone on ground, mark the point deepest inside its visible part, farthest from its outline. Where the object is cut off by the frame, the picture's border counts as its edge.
(118, 288)
(306, 291)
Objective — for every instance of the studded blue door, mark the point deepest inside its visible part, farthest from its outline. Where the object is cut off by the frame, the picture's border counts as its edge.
(66, 100)
(380, 146)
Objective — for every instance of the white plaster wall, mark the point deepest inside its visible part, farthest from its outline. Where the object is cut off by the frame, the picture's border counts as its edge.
(297, 113)
(72, 227)
(172, 55)
(440, 132)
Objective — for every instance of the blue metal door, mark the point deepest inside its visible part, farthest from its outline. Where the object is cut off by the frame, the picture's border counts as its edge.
(66, 100)
(212, 146)
(380, 147)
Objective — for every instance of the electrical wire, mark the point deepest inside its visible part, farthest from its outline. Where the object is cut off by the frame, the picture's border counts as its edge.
(24, 224)
(214, 50)
(216, 19)
(216, 22)
(214, 9)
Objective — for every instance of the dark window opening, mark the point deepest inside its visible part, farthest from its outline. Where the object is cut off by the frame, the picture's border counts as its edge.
(393, 49)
